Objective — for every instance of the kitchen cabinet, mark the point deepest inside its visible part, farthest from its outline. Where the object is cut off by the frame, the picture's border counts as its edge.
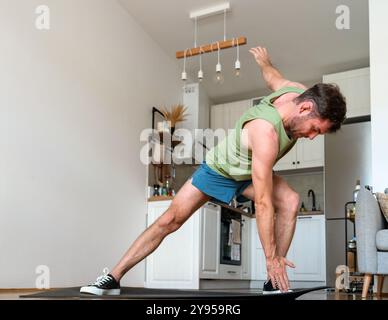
(305, 154)
(224, 116)
(258, 263)
(175, 263)
(355, 86)
(210, 241)
(307, 250)
(219, 118)
(230, 272)
(245, 248)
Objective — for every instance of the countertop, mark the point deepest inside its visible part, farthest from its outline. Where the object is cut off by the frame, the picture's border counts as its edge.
(160, 198)
(238, 210)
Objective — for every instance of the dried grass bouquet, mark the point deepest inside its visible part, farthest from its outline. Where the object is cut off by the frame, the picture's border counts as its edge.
(178, 113)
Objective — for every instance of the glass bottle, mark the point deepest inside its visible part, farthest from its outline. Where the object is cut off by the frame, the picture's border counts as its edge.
(356, 190)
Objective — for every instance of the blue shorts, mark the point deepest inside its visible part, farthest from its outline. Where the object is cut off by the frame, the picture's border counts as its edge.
(217, 186)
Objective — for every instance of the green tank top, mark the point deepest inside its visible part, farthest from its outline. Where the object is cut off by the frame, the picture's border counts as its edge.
(230, 159)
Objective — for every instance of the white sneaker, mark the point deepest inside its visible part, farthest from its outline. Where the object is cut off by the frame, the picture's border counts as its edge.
(104, 285)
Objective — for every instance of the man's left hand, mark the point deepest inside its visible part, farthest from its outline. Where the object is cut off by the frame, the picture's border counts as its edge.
(276, 269)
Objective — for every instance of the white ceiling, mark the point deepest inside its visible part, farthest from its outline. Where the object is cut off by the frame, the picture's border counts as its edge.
(300, 35)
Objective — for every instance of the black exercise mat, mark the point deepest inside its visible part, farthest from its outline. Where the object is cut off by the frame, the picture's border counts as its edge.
(156, 294)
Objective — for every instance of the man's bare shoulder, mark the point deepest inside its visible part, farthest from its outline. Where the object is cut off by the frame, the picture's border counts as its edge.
(260, 125)
(259, 131)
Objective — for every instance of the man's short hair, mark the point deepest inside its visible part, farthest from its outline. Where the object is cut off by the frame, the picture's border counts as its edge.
(328, 101)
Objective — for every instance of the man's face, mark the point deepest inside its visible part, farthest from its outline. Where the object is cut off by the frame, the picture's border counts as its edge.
(308, 126)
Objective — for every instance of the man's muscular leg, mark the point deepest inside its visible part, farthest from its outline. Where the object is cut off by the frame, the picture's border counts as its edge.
(285, 202)
(185, 203)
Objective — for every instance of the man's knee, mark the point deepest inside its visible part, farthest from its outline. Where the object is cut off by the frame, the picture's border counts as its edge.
(293, 199)
(289, 205)
(170, 221)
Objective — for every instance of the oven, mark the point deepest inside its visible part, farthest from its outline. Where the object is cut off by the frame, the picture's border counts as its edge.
(230, 237)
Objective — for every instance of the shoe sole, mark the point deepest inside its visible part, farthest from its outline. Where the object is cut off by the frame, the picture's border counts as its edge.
(100, 292)
(275, 292)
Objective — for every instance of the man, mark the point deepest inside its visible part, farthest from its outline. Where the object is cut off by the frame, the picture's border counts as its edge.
(241, 165)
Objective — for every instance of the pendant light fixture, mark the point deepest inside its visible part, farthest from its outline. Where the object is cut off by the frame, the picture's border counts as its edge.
(184, 73)
(218, 78)
(200, 50)
(200, 72)
(237, 64)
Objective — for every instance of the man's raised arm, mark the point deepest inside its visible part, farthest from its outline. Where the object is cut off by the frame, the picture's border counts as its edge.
(272, 77)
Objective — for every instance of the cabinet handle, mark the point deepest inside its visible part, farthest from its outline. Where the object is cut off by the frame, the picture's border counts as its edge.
(212, 205)
(232, 272)
(305, 217)
(293, 162)
(298, 162)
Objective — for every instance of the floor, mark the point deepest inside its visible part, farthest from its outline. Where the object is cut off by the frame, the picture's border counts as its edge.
(315, 295)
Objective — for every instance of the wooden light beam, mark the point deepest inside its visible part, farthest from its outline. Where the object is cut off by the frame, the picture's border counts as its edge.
(211, 47)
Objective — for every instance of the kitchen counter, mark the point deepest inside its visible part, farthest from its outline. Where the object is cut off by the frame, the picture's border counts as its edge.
(309, 213)
(160, 198)
(169, 198)
(238, 210)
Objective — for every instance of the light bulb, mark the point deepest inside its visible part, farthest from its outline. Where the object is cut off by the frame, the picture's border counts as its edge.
(218, 78)
(237, 67)
(200, 75)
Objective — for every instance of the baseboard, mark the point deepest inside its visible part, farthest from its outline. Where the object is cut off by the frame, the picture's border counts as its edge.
(11, 290)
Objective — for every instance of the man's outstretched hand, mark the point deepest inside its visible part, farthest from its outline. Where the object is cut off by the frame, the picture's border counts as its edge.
(276, 271)
(261, 56)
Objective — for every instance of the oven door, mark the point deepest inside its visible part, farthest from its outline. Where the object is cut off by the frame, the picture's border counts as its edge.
(230, 252)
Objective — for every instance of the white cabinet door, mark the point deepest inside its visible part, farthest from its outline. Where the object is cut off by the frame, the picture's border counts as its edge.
(310, 153)
(246, 248)
(305, 154)
(219, 118)
(307, 250)
(210, 241)
(226, 115)
(355, 86)
(236, 110)
(230, 272)
(288, 162)
(175, 263)
(258, 264)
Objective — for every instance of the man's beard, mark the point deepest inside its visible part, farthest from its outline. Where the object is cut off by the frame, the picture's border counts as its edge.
(296, 123)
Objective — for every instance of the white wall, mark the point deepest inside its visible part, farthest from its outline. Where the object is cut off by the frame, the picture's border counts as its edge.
(73, 102)
(378, 29)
